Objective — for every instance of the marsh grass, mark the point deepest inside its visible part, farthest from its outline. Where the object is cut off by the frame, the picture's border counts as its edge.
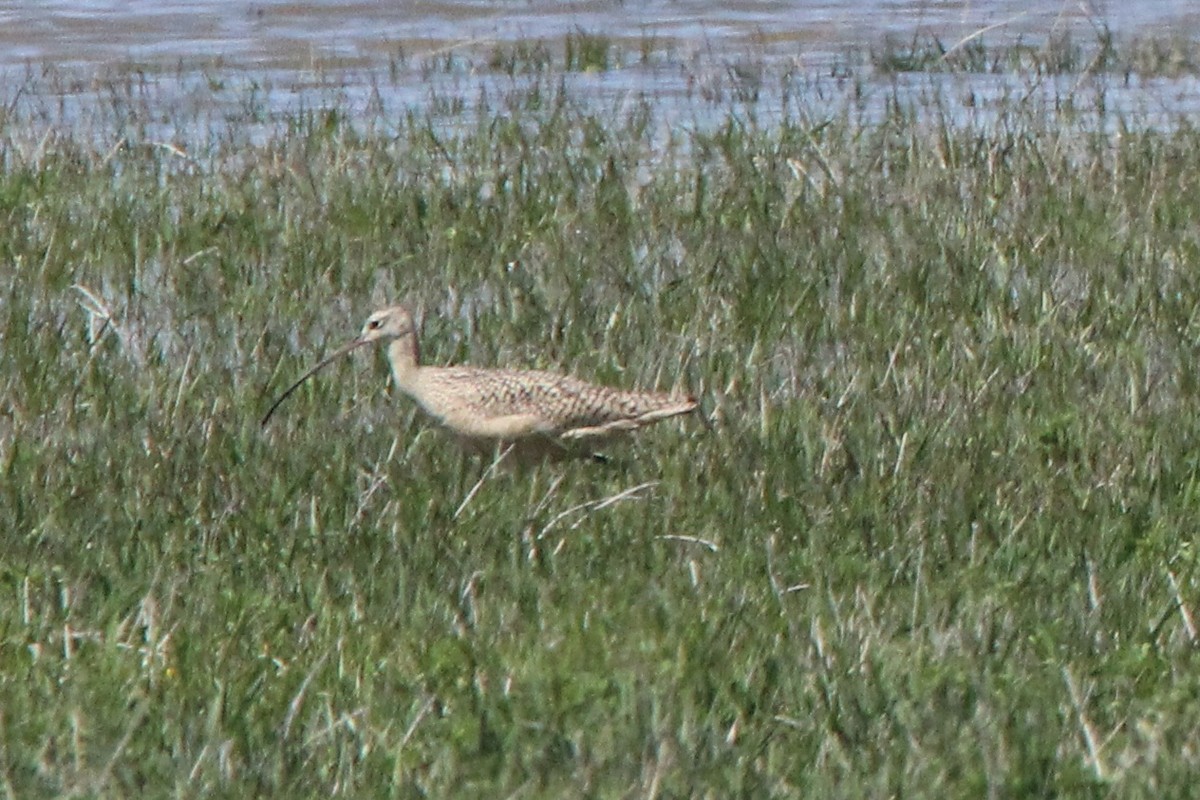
(933, 536)
(585, 51)
(1146, 57)
(579, 51)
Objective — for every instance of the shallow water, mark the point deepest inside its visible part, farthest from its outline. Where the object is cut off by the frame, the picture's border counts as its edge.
(277, 35)
(195, 63)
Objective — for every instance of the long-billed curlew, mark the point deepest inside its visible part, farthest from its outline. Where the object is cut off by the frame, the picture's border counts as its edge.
(533, 413)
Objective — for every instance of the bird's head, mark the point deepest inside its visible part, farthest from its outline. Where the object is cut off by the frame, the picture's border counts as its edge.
(387, 324)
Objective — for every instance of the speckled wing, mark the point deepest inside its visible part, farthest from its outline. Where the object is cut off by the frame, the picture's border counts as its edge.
(513, 404)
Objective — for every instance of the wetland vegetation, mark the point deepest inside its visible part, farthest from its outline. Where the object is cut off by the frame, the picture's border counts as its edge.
(932, 537)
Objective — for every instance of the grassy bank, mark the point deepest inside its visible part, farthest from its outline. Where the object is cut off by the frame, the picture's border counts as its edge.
(932, 538)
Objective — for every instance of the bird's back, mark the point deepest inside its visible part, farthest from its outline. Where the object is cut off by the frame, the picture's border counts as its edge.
(513, 404)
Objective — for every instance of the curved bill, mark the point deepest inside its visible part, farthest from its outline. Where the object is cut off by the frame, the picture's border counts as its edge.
(336, 354)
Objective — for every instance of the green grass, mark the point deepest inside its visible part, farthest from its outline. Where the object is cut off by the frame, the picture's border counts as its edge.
(1170, 55)
(933, 538)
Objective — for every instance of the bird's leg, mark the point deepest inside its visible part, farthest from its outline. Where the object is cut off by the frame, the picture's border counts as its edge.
(500, 455)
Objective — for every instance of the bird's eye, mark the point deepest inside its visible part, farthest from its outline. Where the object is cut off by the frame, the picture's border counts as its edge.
(374, 324)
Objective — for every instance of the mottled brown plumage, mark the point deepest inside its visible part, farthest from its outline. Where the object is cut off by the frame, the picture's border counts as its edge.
(537, 413)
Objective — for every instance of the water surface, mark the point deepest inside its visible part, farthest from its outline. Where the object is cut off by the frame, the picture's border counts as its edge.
(690, 53)
(296, 35)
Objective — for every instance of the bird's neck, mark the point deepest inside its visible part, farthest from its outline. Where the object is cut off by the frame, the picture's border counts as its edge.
(405, 358)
